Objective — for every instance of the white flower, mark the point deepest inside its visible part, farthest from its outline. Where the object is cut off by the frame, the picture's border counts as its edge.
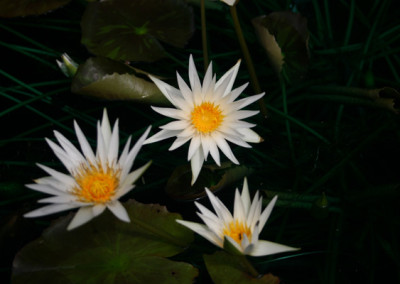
(95, 181)
(207, 115)
(242, 229)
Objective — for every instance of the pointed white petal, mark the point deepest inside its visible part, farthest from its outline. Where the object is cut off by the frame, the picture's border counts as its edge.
(228, 79)
(86, 149)
(118, 210)
(51, 209)
(163, 134)
(84, 215)
(249, 135)
(125, 152)
(176, 125)
(236, 93)
(133, 176)
(179, 141)
(43, 188)
(170, 112)
(63, 178)
(245, 196)
(194, 147)
(196, 164)
(98, 209)
(113, 145)
(203, 231)
(267, 212)
(267, 248)
(239, 213)
(132, 153)
(194, 77)
(185, 90)
(105, 128)
(219, 208)
(223, 145)
(60, 198)
(207, 79)
(246, 101)
(214, 151)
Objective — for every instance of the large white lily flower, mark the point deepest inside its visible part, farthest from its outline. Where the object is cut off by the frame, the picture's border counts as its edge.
(207, 115)
(95, 181)
(242, 229)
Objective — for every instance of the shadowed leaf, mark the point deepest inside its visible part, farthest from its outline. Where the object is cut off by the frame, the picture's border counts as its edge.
(133, 29)
(228, 268)
(107, 250)
(284, 36)
(21, 8)
(108, 79)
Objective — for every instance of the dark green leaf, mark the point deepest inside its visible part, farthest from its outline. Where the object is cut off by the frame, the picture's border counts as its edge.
(227, 268)
(107, 250)
(132, 29)
(284, 36)
(21, 8)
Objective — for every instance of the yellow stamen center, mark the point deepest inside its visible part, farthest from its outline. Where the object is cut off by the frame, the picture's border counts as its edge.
(207, 117)
(236, 230)
(96, 185)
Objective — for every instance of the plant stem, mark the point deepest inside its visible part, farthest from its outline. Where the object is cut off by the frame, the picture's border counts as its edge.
(249, 62)
(204, 34)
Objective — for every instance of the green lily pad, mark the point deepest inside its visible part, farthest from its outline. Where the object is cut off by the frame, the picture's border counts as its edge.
(211, 176)
(227, 268)
(133, 29)
(21, 8)
(107, 250)
(284, 36)
(108, 79)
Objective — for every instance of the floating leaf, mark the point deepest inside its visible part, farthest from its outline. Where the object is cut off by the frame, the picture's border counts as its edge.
(107, 250)
(284, 36)
(226, 268)
(132, 29)
(211, 176)
(21, 8)
(108, 79)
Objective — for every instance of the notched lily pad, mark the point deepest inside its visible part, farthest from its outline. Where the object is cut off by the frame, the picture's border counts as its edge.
(108, 79)
(228, 268)
(284, 36)
(107, 250)
(133, 29)
(21, 8)
(211, 176)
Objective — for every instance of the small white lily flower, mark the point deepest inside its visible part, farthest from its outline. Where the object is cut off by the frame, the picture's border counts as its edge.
(207, 115)
(95, 181)
(242, 229)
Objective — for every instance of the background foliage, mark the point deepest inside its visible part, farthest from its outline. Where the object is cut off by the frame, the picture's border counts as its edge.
(331, 148)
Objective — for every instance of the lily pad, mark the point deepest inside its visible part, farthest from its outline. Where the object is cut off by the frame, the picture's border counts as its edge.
(21, 8)
(211, 176)
(108, 79)
(284, 36)
(133, 29)
(107, 250)
(227, 268)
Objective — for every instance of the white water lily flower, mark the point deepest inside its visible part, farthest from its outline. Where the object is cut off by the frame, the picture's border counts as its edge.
(242, 229)
(95, 181)
(207, 115)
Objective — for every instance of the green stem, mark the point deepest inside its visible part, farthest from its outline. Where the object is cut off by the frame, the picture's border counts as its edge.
(249, 62)
(204, 34)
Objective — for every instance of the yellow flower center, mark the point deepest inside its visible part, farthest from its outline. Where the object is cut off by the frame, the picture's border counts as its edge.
(207, 117)
(96, 185)
(236, 230)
